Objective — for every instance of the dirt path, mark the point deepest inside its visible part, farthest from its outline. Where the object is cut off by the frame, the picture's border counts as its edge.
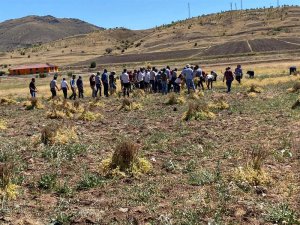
(249, 46)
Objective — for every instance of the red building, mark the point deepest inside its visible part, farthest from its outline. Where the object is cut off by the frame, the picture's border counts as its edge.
(33, 69)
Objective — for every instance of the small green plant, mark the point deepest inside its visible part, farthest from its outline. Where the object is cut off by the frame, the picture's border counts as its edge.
(170, 166)
(201, 178)
(64, 189)
(190, 166)
(70, 74)
(47, 181)
(90, 180)
(42, 75)
(282, 214)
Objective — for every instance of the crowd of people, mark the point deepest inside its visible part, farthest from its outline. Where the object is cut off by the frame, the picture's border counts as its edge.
(151, 80)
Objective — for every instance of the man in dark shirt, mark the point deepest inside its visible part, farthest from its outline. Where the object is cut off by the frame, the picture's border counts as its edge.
(79, 84)
(228, 76)
(32, 88)
(104, 79)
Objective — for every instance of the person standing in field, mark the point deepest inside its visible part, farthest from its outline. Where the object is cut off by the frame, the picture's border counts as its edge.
(32, 88)
(73, 87)
(188, 74)
(238, 73)
(164, 82)
(126, 83)
(104, 79)
(64, 87)
(140, 78)
(152, 79)
(158, 82)
(173, 77)
(228, 76)
(112, 82)
(147, 81)
(98, 85)
(79, 84)
(53, 87)
(93, 85)
(198, 74)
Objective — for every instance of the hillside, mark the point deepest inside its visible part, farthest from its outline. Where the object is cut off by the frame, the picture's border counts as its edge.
(258, 33)
(30, 30)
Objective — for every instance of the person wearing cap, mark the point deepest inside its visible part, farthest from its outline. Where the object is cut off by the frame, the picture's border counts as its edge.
(64, 87)
(73, 87)
(79, 84)
(98, 84)
(188, 74)
(32, 88)
(228, 76)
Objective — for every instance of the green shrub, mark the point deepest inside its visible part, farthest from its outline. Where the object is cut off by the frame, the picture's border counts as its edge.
(93, 65)
(90, 180)
(42, 75)
(201, 178)
(47, 181)
(281, 214)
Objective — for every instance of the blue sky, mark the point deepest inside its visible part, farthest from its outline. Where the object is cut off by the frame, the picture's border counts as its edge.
(133, 14)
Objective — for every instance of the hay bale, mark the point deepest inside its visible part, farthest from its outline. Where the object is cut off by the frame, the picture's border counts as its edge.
(124, 161)
(295, 88)
(90, 116)
(34, 103)
(198, 111)
(255, 89)
(56, 134)
(7, 101)
(219, 105)
(175, 99)
(138, 93)
(129, 105)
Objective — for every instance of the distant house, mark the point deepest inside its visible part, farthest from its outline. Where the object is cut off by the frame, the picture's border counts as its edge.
(33, 69)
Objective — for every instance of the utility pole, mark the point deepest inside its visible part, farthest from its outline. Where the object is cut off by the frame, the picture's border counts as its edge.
(235, 6)
(241, 4)
(230, 6)
(278, 4)
(189, 9)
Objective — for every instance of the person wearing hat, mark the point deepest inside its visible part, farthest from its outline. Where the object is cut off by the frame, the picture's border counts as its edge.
(79, 84)
(228, 76)
(32, 88)
(188, 74)
(73, 87)
(98, 84)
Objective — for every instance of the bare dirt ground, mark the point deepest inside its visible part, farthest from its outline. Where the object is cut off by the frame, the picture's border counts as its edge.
(194, 177)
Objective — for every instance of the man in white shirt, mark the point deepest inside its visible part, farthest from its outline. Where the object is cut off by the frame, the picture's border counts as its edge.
(126, 82)
(140, 78)
(53, 87)
(147, 80)
(209, 81)
(64, 87)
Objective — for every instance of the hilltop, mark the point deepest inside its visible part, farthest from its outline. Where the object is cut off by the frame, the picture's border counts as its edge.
(26, 31)
(258, 33)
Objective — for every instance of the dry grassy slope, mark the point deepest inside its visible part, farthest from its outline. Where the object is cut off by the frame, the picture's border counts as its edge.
(215, 34)
(35, 29)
